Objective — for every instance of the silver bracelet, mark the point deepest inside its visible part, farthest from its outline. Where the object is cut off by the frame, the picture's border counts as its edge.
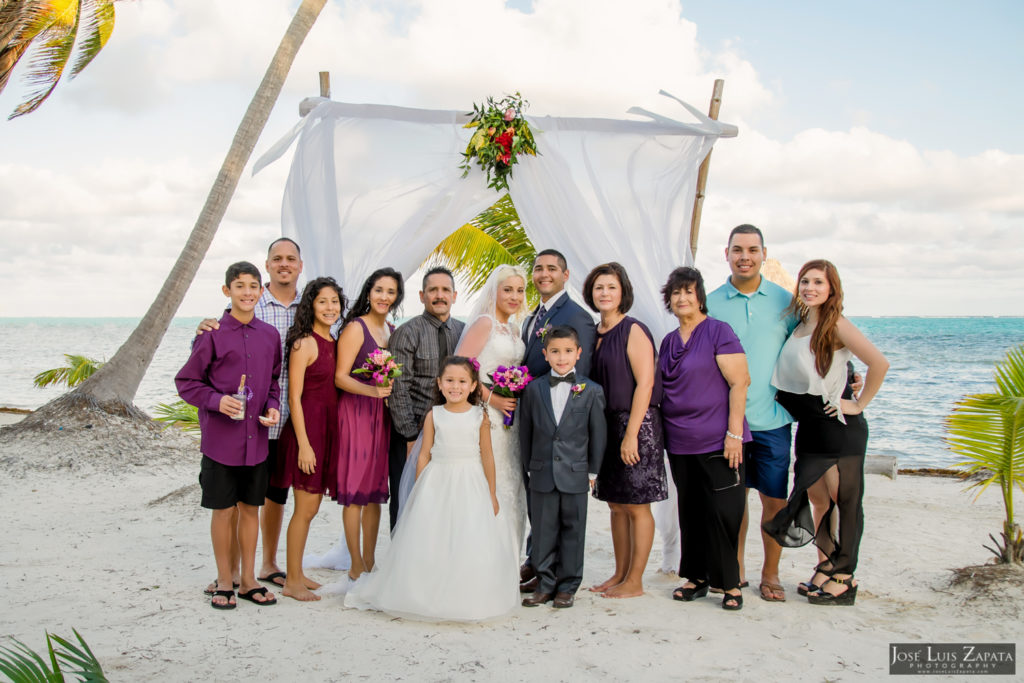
(730, 435)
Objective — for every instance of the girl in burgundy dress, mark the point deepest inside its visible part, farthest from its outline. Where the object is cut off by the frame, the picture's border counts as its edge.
(309, 438)
(364, 425)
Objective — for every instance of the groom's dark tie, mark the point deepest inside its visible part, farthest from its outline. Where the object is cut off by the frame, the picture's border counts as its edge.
(570, 378)
(538, 320)
(442, 342)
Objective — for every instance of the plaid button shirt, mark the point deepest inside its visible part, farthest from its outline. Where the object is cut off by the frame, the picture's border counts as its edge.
(273, 312)
(414, 345)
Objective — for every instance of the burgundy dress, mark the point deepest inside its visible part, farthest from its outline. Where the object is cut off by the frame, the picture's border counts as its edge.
(364, 429)
(644, 482)
(320, 413)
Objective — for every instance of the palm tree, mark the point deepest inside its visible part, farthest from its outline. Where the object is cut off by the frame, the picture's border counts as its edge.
(988, 430)
(48, 31)
(112, 389)
(494, 237)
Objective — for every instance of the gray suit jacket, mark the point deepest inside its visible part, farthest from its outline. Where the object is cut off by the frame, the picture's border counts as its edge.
(560, 455)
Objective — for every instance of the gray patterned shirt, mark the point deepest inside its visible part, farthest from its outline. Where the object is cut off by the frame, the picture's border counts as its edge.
(414, 345)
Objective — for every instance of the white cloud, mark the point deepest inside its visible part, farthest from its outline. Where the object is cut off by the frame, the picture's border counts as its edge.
(106, 219)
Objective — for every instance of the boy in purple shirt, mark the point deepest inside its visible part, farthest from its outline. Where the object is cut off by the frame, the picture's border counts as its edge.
(233, 472)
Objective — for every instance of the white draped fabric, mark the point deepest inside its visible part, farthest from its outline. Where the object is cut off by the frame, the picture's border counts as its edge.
(375, 185)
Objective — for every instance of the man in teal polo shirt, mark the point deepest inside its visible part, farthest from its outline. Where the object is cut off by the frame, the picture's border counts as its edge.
(756, 310)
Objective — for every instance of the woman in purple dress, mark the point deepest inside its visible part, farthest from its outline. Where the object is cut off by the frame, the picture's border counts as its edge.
(704, 372)
(363, 422)
(632, 473)
(309, 438)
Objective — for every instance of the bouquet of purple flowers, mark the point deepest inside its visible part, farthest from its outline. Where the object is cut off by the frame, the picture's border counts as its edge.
(509, 381)
(381, 366)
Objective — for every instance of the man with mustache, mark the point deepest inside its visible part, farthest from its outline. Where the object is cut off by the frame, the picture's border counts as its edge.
(419, 345)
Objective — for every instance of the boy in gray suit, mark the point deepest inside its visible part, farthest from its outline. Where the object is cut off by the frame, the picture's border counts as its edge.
(562, 437)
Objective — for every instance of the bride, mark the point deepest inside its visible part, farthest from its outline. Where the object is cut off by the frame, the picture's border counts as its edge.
(492, 337)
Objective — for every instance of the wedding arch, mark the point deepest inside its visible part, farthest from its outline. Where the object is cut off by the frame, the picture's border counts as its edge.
(373, 185)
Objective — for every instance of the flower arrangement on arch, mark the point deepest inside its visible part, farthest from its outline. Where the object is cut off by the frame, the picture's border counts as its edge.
(509, 381)
(502, 134)
(381, 366)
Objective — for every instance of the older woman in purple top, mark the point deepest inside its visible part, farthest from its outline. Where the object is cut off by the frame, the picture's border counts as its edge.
(705, 378)
(632, 473)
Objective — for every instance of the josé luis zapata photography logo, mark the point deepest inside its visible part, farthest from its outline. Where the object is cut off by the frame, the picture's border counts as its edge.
(953, 658)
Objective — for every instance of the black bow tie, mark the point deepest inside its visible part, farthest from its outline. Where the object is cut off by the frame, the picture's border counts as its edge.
(570, 378)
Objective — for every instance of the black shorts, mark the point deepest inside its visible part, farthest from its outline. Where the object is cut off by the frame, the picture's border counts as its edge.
(225, 485)
(275, 494)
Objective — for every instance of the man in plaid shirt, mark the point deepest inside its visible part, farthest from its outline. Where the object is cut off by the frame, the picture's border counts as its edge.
(276, 307)
(419, 345)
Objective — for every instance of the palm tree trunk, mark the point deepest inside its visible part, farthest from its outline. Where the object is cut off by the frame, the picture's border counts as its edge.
(112, 389)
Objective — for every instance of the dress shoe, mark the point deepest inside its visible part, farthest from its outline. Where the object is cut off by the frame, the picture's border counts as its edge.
(526, 572)
(530, 585)
(563, 600)
(537, 599)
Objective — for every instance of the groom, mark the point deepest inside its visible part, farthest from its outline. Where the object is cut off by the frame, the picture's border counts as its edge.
(550, 273)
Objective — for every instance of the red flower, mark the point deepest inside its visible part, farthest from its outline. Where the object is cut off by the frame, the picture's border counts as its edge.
(505, 158)
(505, 140)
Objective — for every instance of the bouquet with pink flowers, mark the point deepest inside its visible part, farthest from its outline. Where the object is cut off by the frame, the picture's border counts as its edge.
(381, 366)
(509, 381)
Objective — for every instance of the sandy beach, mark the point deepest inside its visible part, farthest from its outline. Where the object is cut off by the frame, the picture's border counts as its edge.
(118, 547)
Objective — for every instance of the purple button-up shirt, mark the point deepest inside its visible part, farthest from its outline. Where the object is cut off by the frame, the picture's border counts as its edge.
(695, 400)
(218, 361)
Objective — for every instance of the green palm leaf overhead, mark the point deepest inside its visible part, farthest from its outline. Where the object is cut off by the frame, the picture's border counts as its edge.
(494, 237)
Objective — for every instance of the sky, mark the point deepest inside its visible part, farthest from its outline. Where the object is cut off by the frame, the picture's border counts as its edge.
(885, 137)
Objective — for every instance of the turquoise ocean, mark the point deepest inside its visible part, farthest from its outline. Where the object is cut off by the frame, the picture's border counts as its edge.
(934, 361)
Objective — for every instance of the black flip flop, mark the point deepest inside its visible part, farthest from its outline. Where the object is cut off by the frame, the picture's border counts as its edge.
(249, 595)
(224, 594)
(269, 578)
(207, 591)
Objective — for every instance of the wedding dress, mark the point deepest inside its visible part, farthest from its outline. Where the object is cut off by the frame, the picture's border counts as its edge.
(505, 347)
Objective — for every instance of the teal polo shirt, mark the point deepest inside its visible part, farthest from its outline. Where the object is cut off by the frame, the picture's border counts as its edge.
(760, 321)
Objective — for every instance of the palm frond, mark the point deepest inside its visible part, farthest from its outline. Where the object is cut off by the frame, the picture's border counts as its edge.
(88, 667)
(21, 663)
(77, 370)
(20, 22)
(494, 237)
(51, 51)
(178, 414)
(987, 430)
(98, 25)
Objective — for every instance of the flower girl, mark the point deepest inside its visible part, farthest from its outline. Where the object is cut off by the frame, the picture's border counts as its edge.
(450, 558)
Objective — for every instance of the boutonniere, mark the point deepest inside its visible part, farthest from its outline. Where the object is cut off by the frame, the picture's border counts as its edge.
(577, 389)
(542, 332)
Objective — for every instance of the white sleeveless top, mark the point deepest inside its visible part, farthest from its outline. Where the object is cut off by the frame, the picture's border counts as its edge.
(456, 435)
(795, 373)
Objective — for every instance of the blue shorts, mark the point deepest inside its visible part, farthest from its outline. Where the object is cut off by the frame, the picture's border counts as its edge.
(768, 462)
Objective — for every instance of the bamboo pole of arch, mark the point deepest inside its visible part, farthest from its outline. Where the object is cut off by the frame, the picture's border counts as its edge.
(702, 174)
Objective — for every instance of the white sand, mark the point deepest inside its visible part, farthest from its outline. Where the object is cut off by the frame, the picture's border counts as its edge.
(84, 548)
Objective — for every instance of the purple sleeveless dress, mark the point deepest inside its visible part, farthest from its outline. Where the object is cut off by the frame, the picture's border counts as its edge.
(320, 414)
(644, 482)
(364, 429)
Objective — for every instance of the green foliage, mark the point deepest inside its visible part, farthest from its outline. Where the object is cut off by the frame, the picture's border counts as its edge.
(178, 414)
(77, 370)
(49, 33)
(21, 664)
(988, 431)
(494, 237)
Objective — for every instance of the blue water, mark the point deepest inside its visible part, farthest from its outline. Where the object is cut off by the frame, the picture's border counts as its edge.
(934, 361)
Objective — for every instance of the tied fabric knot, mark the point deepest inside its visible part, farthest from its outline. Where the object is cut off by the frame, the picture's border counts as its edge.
(554, 381)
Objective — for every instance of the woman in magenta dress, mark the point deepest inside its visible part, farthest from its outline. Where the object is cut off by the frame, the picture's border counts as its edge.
(633, 470)
(363, 422)
(309, 438)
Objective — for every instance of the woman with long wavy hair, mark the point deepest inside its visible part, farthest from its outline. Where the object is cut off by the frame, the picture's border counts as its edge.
(831, 438)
